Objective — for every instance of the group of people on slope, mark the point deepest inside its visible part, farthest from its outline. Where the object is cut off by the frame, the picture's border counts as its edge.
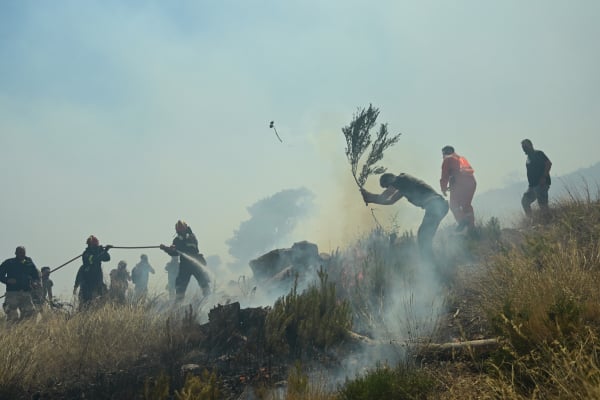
(457, 178)
(187, 261)
(25, 283)
(120, 278)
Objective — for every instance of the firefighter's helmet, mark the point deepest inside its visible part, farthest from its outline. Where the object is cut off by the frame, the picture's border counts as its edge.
(181, 227)
(92, 241)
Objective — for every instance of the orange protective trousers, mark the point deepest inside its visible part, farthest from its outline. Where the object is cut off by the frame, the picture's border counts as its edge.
(462, 191)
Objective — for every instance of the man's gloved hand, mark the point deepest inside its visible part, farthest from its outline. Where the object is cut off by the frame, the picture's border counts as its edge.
(74, 291)
(167, 249)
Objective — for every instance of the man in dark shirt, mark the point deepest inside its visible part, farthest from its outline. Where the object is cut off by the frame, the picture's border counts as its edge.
(140, 275)
(419, 194)
(191, 261)
(538, 177)
(19, 274)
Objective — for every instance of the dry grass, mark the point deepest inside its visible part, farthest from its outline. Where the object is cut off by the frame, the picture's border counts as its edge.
(538, 290)
(543, 300)
(59, 350)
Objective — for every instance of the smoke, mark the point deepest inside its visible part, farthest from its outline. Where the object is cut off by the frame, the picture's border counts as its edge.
(397, 299)
(272, 221)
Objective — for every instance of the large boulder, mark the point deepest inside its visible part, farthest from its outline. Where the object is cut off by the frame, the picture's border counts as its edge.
(296, 259)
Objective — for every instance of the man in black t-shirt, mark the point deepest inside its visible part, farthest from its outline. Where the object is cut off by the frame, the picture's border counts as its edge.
(419, 194)
(538, 176)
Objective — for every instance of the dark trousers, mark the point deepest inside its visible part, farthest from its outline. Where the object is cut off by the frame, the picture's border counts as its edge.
(533, 193)
(90, 293)
(435, 210)
(186, 271)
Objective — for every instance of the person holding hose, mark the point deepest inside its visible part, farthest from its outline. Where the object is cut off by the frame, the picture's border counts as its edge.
(185, 245)
(90, 279)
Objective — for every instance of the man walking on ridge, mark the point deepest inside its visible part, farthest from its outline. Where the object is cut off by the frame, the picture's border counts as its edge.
(538, 176)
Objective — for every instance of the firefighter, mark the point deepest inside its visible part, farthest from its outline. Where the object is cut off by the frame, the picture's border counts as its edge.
(90, 279)
(419, 194)
(191, 261)
(458, 178)
(20, 275)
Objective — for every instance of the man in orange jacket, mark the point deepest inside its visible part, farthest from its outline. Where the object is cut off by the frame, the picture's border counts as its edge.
(458, 178)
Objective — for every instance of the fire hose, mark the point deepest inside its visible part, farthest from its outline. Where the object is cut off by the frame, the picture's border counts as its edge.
(109, 246)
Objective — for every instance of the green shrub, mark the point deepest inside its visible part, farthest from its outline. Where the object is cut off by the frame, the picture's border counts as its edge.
(204, 387)
(297, 381)
(383, 382)
(157, 389)
(314, 318)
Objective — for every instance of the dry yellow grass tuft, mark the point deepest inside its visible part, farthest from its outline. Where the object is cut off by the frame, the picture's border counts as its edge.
(59, 349)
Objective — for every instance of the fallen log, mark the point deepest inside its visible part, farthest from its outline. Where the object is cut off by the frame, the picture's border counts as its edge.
(480, 343)
(434, 350)
(451, 350)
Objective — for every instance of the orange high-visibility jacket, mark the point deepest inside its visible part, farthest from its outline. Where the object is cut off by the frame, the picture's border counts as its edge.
(454, 167)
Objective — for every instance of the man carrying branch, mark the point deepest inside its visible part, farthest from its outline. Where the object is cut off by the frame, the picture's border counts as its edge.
(419, 194)
(358, 141)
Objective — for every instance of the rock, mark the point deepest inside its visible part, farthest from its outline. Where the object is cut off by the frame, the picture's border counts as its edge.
(297, 259)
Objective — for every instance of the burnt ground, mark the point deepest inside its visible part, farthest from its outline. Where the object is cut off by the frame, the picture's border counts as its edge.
(233, 345)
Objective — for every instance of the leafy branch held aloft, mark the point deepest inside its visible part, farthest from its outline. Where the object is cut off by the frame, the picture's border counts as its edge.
(358, 141)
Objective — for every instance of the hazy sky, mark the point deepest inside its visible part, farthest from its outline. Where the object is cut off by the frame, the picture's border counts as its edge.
(118, 118)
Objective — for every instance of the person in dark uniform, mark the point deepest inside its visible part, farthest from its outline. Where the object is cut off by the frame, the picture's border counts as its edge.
(191, 261)
(90, 279)
(419, 194)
